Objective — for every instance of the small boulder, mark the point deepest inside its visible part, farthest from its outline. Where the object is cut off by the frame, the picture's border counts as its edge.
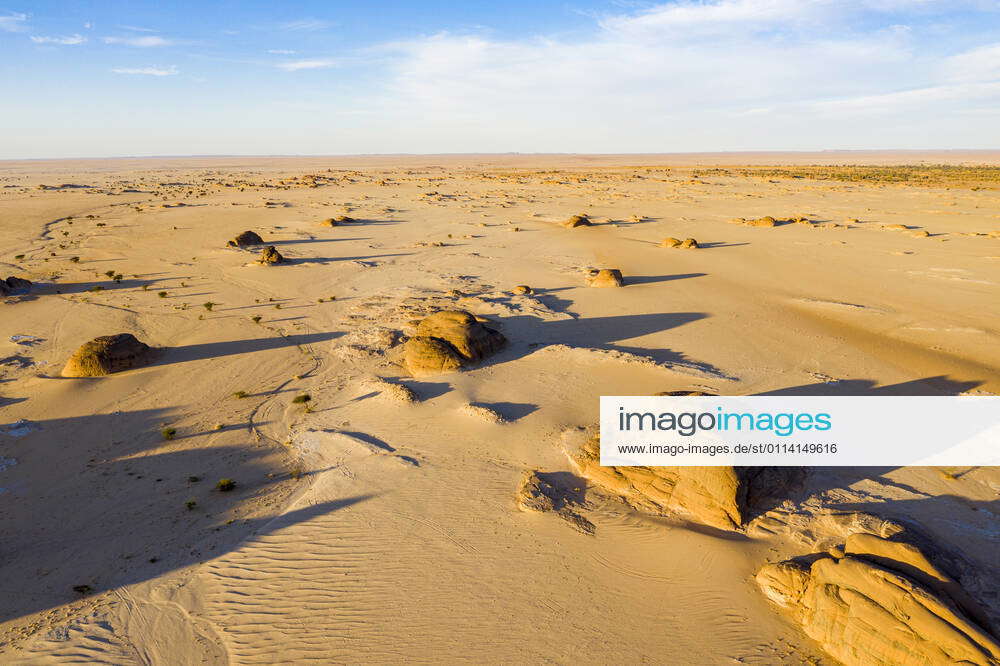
(577, 221)
(450, 340)
(522, 289)
(606, 277)
(270, 255)
(246, 238)
(766, 221)
(337, 221)
(686, 244)
(14, 286)
(105, 355)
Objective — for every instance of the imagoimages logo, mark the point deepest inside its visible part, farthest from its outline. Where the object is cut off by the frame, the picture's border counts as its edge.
(800, 430)
(687, 424)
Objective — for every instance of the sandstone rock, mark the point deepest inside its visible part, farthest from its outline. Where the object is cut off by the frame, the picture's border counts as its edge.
(544, 492)
(14, 286)
(337, 221)
(865, 606)
(105, 355)
(482, 413)
(448, 341)
(721, 497)
(246, 238)
(606, 277)
(430, 356)
(686, 244)
(522, 289)
(577, 221)
(270, 255)
(766, 221)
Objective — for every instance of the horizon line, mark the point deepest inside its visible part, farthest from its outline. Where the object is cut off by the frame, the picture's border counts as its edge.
(500, 154)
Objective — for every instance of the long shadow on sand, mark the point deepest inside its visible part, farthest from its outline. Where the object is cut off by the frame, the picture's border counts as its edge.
(185, 353)
(98, 502)
(939, 385)
(529, 333)
(651, 279)
(826, 478)
(303, 241)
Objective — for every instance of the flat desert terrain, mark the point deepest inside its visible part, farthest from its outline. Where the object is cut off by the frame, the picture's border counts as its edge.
(379, 512)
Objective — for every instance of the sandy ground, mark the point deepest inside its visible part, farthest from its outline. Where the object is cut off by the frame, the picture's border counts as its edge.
(369, 528)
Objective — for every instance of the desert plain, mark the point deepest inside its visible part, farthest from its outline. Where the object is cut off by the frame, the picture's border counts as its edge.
(377, 516)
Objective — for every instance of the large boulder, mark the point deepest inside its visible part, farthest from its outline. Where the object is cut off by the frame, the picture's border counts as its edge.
(246, 238)
(722, 497)
(450, 340)
(879, 601)
(105, 355)
(14, 286)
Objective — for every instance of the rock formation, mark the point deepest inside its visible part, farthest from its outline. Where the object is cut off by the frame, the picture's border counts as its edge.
(450, 340)
(14, 286)
(721, 497)
(337, 221)
(606, 277)
(686, 244)
(577, 221)
(270, 255)
(881, 601)
(246, 238)
(557, 492)
(105, 355)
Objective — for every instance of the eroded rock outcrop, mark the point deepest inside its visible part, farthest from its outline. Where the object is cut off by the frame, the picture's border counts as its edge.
(14, 286)
(882, 601)
(721, 497)
(450, 340)
(577, 221)
(270, 255)
(606, 277)
(686, 244)
(558, 492)
(246, 238)
(106, 355)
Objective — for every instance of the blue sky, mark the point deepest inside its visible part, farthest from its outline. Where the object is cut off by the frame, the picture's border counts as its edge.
(95, 79)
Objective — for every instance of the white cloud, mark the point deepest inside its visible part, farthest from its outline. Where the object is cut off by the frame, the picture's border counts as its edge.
(70, 40)
(88, 25)
(280, 52)
(688, 75)
(305, 25)
(14, 22)
(147, 71)
(140, 42)
(135, 28)
(296, 65)
(978, 64)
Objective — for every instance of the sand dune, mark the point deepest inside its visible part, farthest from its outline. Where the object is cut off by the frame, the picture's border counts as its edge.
(377, 520)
